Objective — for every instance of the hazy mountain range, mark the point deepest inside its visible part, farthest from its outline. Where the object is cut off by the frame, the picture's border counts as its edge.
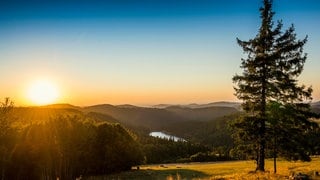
(155, 118)
(193, 121)
(194, 105)
(159, 118)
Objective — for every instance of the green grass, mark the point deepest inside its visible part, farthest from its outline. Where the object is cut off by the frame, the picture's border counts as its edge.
(218, 170)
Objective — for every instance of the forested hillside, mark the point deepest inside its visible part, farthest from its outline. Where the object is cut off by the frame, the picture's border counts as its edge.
(51, 143)
(159, 119)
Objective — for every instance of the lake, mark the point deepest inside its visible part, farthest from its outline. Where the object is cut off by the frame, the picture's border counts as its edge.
(165, 136)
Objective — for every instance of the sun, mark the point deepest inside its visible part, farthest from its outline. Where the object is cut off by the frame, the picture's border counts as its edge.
(43, 92)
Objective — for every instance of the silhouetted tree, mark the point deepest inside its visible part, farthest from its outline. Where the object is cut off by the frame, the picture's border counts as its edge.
(275, 60)
(6, 134)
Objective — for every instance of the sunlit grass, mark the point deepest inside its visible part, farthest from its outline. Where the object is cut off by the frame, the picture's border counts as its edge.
(219, 170)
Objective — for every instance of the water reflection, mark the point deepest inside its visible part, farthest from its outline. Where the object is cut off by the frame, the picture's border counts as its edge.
(166, 136)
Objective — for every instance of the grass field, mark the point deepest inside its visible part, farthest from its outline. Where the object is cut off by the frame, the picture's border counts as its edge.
(218, 170)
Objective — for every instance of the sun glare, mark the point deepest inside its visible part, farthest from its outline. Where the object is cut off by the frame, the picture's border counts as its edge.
(43, 92)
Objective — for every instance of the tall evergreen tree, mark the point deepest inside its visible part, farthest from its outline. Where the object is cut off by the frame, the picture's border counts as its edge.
(274, 61)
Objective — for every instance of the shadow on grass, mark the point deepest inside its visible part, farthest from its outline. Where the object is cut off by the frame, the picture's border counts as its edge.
(154, 174)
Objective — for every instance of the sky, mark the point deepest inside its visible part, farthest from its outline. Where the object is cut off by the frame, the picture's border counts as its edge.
(140, 52)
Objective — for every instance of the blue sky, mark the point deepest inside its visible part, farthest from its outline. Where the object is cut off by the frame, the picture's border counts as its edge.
(140, 52)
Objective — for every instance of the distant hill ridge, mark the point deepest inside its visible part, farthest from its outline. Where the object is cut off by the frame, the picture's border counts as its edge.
(191, 105)
(194, 105)
(61, 106)
(156, 118)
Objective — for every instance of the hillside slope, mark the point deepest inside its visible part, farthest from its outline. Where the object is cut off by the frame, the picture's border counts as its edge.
(201, 114)
(31, 115)
(156, 119)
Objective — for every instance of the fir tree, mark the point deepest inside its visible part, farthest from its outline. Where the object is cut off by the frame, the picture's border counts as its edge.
(274, 61)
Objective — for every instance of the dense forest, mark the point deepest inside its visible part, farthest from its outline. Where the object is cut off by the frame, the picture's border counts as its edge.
(65, 147)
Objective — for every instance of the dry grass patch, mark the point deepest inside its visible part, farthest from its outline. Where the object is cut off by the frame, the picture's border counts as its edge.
(219, 170)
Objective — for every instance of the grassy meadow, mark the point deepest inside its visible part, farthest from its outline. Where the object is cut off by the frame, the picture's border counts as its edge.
(218, 170)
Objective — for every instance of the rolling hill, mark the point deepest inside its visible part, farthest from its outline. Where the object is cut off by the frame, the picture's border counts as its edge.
(158, 119)
(136, 117)
(194, 105)
(30, 115)
(201, 114)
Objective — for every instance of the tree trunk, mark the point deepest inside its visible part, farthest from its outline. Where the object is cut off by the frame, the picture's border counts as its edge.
(275, 155)
(274, 164)
(262, 125)
(261, 155)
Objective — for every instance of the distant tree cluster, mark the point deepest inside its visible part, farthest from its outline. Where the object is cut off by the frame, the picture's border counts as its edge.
(159, 150)
(214, 133)
(65, 148)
